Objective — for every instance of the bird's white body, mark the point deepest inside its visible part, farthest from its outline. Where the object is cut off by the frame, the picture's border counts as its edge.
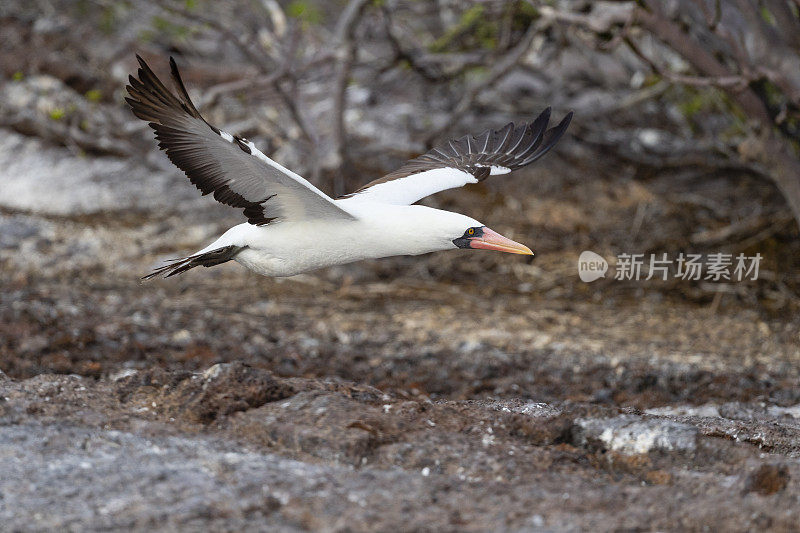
(378, 230)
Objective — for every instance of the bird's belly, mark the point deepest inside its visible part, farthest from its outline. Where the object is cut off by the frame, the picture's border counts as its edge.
(268, 263)
(265, 263)
(287, 249)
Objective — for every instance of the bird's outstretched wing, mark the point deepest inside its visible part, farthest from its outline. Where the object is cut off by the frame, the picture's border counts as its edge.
(469, 159)
(217, 162)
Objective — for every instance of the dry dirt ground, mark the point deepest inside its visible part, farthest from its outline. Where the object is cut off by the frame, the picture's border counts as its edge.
(455, 392)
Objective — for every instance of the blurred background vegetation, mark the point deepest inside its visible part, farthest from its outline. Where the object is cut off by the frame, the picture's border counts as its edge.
(685, 137)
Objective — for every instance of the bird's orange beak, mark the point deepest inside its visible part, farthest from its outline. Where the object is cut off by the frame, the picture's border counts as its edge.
(491, 240)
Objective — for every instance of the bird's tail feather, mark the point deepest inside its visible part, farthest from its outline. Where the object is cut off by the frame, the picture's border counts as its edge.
(207, 259)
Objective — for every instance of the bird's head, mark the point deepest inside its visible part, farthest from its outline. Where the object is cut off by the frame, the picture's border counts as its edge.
(444, 230)
(479, 237)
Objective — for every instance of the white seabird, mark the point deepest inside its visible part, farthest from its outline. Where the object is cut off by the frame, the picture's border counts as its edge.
(293, 227)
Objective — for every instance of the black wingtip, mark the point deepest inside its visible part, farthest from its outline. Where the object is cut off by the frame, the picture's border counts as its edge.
(173, 69)
(544, 117)
(539, 125)
(186, 100)
(562, 126)
(550, 139)
(142, 63)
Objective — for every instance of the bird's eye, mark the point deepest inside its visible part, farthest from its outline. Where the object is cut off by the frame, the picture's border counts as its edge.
(471, 231)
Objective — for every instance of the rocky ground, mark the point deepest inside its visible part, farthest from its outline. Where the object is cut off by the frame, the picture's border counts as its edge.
(237, 448)
(462, 391)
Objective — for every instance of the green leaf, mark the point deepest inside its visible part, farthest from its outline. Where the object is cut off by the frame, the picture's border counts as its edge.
(473, 23)
(305, 11)
(94, 95)
(767, 15)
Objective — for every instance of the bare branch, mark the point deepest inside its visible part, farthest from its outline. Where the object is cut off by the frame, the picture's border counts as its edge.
(751, 225)
(28, 122)
(500, 69)
(345, 33)
(267, 67)
(736, 82)
(412, 57)
(697, 55)
(212, 94)
(598, 22)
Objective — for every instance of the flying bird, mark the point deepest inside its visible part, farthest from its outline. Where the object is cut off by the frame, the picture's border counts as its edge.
(292, 226)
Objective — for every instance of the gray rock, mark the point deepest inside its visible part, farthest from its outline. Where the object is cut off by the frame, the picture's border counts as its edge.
(524, 407)
(743, 411)
(17, 228)
(77, 478)
(634, 435)
(69, 477)
(42, 178)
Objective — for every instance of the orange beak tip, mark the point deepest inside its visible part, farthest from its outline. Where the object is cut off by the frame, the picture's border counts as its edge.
(491, 240)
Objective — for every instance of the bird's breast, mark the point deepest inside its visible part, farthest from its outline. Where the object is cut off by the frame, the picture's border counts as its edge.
(287, 249)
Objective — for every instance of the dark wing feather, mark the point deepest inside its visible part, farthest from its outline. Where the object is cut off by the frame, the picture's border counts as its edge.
(230, 167)
(509, 148)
